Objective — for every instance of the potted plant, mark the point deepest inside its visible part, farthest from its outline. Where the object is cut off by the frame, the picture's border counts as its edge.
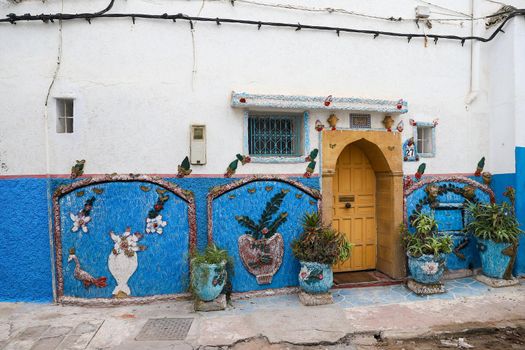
(496, 228)
(317, 249)
(209, 272)
(426, 250)
(261, 247)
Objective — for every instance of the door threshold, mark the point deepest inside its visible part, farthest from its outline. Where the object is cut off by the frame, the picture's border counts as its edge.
(359, 279)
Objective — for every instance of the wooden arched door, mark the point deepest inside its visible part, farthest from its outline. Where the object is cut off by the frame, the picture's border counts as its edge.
(354, 203)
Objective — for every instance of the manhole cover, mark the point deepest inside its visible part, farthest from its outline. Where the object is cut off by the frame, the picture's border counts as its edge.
(165, 329)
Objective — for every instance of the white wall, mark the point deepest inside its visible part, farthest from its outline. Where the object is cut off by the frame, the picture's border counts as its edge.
(136, 96)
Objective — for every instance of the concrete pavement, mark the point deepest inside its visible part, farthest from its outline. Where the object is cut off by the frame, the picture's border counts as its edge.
(281, 319)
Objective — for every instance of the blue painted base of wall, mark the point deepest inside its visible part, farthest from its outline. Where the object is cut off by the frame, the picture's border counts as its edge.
(520, 207)
(25, 253)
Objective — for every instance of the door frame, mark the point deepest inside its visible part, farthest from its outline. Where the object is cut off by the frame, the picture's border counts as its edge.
(384, 151)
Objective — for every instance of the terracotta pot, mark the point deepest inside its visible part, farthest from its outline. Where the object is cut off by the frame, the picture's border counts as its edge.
(262, 257)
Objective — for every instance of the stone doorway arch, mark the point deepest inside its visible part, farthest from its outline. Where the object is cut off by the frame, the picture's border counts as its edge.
(384, 151)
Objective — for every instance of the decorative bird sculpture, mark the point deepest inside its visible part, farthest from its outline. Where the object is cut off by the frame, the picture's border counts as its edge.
(232, 168)
(243, 159)
(420, 171)
(479, 168)
(487, 177)
(82, 275)
(184, 168)
(78, 169)
(310, 169)
(313, 154)
(400, 126)
(318, 125)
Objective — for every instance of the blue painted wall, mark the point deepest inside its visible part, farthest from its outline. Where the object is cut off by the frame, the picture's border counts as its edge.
(520, 207)
(25, 261)
(241, 202)
(450, 221)
(162, 267)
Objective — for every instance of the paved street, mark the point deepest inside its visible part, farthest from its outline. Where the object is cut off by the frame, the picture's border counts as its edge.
(358, 314)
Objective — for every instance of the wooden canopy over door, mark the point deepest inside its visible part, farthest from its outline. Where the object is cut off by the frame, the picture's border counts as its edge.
(354, 204)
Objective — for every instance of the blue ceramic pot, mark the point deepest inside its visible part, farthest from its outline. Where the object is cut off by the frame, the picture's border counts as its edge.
(315, 278)
(208, 280)
(493, 261)
(427, 269)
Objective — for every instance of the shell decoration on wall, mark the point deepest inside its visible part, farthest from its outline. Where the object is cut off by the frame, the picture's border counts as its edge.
(123, 261)
(184, 168)
(154, 222)
(480, 166)
(420, 171)
(78, 169)
(82, 218)
(261, 248)
(83, 276)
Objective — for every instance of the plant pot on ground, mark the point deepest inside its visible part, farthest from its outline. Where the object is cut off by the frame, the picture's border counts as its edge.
(496, 228)
(426, 249)
(209, 272)
(317, 249)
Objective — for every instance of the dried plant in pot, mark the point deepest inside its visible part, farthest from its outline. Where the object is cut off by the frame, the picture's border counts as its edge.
(426, 249)
(317, 249)
(496, 228)
(209, 272)
(261, 248)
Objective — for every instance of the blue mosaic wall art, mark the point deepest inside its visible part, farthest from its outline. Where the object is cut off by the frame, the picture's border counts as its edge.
(445, 198)
(122, 236)
(249, 197)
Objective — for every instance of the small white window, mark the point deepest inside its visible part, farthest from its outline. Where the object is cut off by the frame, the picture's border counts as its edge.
(425, 140)
(65, 115)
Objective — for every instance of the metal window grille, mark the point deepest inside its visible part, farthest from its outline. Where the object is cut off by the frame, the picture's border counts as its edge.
(64, 115)
(360, 121)
(274, 135)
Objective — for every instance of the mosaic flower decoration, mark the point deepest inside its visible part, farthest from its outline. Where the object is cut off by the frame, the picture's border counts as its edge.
(82, 218)
(430, 267)
(154, 222)
(155, 225)
(310, 276)
(126, 243)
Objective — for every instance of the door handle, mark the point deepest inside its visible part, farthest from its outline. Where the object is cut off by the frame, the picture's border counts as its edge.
(348, 205)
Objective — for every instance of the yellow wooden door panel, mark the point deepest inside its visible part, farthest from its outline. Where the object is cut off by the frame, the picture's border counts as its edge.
(355, 181)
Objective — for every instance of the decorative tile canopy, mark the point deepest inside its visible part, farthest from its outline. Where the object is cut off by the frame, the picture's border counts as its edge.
(246, 100)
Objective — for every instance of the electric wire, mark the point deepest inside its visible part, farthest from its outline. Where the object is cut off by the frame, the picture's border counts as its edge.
(13, 19)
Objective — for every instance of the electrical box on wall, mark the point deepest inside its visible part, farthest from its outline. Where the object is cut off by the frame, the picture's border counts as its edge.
(198, 145)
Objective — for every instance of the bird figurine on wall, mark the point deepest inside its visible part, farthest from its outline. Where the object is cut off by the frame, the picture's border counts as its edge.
(319, 126)
(184, 168)
(487, 177)
(78, 169)
(420, 171)
(313, 154)
(243, 159)
(479, 168)
(400, 126)
(232, 168)
(82, 275)
(310, 169)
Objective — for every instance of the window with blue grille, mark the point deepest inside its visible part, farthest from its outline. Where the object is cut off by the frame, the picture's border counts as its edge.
(278, 134)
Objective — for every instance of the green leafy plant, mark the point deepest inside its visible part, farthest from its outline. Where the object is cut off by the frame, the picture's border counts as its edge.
(426, 240)
(213, 255)
(320, 243)
(266, 228)
(493, 221)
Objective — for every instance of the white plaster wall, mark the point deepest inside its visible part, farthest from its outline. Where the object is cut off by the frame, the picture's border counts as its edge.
(136, 96)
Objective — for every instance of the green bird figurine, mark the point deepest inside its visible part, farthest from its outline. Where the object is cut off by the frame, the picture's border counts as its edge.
(78, 169)
(420, 171)
(310, 169)
(231, 168)
(244, 159)
(184, 168)
(479, 168)
(312, 155)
